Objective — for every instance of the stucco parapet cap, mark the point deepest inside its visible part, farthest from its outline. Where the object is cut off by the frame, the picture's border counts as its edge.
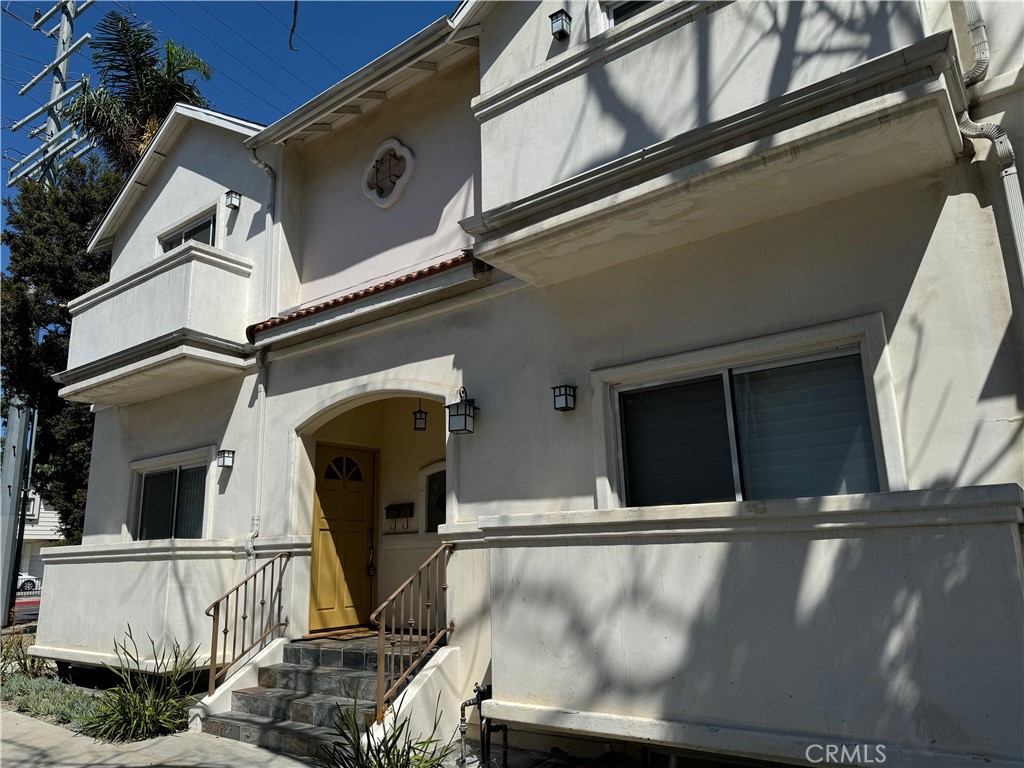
(183, 254)
(929, 58)
(154, 549)
(970, 505)
(466, 257)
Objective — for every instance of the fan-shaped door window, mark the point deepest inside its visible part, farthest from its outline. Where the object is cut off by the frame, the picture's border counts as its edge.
(344, 468)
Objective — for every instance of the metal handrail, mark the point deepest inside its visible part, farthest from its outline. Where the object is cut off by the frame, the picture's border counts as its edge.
(254, 629)
(415, 616)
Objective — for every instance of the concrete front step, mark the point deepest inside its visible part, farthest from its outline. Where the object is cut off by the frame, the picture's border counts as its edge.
(298, 706)
(333, 681)
(278, 735)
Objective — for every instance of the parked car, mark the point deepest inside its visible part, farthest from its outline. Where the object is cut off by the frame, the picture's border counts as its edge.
(27, 583)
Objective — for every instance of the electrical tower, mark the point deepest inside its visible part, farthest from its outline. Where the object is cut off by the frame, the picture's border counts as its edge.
(59, 141)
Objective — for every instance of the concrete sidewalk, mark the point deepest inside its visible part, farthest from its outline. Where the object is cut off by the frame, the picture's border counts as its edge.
(29, 743)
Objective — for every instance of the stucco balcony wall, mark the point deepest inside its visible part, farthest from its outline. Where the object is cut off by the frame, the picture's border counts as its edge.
(159, 588)
(761, 628)
(194, 287)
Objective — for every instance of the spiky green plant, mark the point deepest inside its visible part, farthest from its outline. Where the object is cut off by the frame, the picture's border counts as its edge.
(144, 704)
(390, 747)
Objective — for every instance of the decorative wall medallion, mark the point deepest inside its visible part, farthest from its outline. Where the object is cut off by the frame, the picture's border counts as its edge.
(388, 173)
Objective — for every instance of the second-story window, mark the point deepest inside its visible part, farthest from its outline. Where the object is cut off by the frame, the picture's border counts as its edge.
(620, 12)
(200, 232)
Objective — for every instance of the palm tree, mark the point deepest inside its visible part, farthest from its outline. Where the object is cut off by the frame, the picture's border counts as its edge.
(139, 84)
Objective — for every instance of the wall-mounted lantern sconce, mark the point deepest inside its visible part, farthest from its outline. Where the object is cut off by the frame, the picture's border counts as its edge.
(232, 199)
(561, 25)
(565, 397)
(226, 459)
(461, 415)
(419, 419)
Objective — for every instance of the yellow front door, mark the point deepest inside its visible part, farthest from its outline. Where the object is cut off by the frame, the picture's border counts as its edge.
(341, 584)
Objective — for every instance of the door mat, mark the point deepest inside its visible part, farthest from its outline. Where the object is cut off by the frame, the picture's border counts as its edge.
(352, 633)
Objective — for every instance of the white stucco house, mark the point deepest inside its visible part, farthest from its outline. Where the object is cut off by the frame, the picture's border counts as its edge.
(775, 248)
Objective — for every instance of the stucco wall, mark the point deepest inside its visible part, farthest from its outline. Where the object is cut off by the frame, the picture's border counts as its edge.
(206, 162)
(221, 415)
(670, 80)
(348, 242)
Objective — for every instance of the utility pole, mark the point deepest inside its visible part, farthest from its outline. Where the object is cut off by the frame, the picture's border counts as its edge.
(59, 141)
(12, 499)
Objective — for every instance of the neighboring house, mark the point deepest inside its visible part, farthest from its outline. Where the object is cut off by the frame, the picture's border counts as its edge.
(760, 242)
(41, 530)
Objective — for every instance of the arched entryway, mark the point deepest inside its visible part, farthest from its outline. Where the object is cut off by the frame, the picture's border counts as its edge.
(377, 503)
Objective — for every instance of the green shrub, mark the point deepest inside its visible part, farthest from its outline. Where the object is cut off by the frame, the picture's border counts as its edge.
(394, 749)
(144, 704)
(46, 698)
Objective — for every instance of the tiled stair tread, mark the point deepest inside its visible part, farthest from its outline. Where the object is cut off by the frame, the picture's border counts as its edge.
(281, 704)
(278, 735)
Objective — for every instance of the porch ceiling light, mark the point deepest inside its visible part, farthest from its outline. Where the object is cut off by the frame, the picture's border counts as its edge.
(232, 199)
(225, 459)
(565, 397)
(461, 414)
(419, 419)
(561, 24)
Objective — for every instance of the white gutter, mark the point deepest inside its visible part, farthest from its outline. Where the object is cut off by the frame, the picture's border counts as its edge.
(994, 133)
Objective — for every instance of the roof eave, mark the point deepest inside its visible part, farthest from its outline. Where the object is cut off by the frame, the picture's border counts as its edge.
(398, 58)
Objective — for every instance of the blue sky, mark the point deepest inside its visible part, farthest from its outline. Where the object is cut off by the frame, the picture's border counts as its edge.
(256, 76)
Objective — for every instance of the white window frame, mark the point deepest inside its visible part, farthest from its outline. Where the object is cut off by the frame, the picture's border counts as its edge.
(215, 209)
(609, 12)
(195, 457)
(421, 501)
(865, 334)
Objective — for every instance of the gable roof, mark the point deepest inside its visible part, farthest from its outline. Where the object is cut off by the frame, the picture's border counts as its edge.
(436, 46)
(170, 130)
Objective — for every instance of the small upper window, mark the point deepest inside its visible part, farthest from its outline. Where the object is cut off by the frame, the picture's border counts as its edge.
(620, 12)
(199, 232)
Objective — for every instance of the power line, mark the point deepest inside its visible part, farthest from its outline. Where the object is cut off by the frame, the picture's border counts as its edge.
(22, 55)
(259, 50)
(222, 72)
(306, 42)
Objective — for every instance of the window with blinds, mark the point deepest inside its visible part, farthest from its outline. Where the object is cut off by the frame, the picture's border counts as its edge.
(780, 431)
(170, 503)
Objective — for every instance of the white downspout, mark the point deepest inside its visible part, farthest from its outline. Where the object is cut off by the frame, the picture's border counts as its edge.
(994, 133)
(261, 380)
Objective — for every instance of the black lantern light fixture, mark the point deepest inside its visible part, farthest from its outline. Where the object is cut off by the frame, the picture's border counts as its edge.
(232, 199)
(565, 397)
(226, 459)
(419, 419)
(461, 414)
(561, 24)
